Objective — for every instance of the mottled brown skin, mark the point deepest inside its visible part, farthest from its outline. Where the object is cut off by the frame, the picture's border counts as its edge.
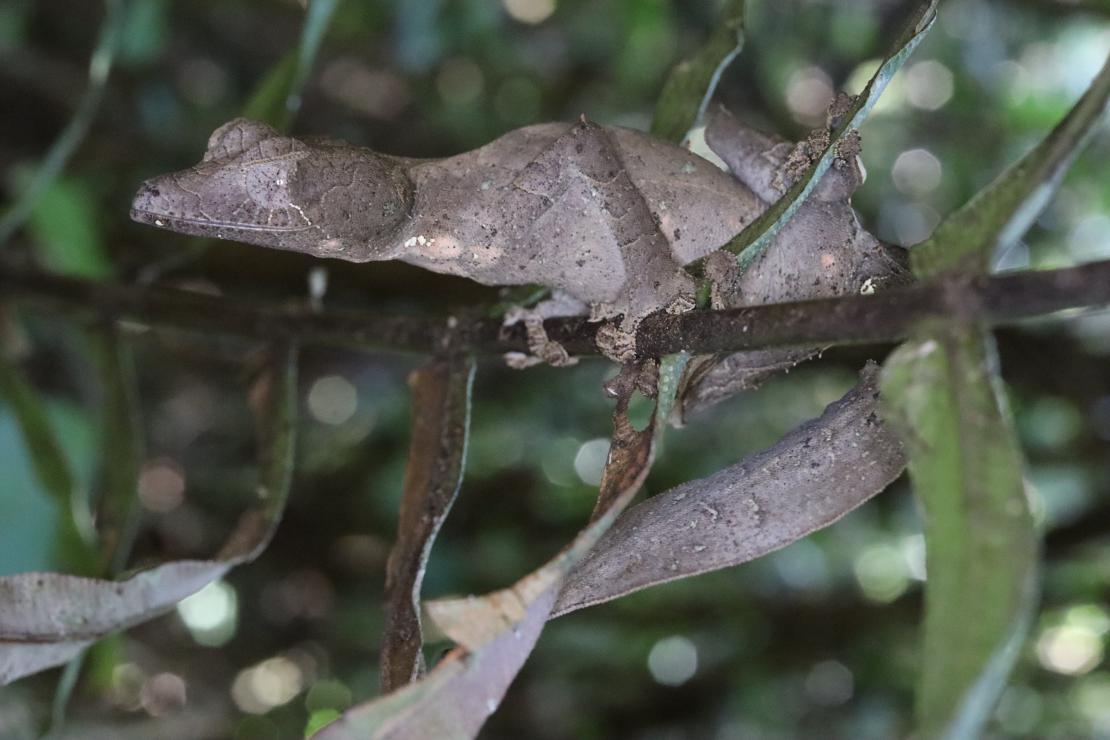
(325, 198)
(823, 251)
(607, 216)
(604, 216)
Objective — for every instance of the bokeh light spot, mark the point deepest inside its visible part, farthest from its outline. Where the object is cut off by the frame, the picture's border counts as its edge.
(162, 694)
(929, 85)
(211, 614)
(127, 683)
(529, 11)
(913, 552)
(376, 93)
(829, 683)
(332, 400)
(1020, 709)
(673, 660)
(161, 485)
(808, 93)
(460, 80)
(271, 683)
(589, 462)
(1069, 649)
(912, 223)
(882, 573)
(1091, 696)
(1087, 240)
(916, 172)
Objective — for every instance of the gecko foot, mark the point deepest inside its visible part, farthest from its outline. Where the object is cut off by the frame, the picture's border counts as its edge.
(640, 376)
(681, 304)
(541, 348)
(616, 343)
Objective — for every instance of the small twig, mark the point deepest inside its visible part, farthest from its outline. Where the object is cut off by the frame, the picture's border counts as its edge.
(884, 317)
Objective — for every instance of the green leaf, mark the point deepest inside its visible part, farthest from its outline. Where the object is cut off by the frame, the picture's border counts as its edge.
(691, 83)
(941, 391)
(146, 31)
(66, 230)
(52, 469)
(759, 234)
(1004, 210)
(118, 511)
(46, 619)
(942, 395)
(121, 447)
(277, 98)
(319, 719)
(100, 64)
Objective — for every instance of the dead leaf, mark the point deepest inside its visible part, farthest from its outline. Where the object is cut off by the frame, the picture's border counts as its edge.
(47, 618)
(437, 454)
(813, 476)
(497, 632)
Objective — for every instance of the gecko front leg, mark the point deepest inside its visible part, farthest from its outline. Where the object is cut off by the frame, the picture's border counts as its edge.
(613, 255)
(542, 348)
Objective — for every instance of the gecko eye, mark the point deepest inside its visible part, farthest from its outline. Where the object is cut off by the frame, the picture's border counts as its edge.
(235, 137)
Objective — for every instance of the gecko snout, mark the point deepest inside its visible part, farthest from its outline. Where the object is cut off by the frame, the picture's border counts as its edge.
(149, 203)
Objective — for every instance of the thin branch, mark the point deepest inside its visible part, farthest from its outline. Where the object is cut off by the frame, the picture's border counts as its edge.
(883, 317)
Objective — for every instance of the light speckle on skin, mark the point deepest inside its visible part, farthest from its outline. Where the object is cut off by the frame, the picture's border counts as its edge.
(419, 241)
(159, 222)
(688, 168)
(868, 287)
(438, 248)
(486, 184)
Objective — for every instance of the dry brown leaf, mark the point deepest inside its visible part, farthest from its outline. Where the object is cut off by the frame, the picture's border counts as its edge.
(47, 618)
(497, 632)
(809, 479)
(437, 452)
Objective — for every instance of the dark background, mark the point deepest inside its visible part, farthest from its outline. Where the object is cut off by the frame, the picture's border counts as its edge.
(818, 640)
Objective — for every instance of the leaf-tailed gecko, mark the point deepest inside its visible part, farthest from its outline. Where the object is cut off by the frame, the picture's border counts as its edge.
(605, 217)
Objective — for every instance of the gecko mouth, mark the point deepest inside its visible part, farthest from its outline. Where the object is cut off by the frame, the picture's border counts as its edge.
(204, 225)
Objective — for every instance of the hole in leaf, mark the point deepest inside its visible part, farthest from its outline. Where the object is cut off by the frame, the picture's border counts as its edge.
(640, 409)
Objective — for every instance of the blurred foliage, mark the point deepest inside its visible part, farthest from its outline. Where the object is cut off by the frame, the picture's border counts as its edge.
(819, 639)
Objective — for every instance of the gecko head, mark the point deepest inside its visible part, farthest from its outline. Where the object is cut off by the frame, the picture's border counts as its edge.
(324, 198)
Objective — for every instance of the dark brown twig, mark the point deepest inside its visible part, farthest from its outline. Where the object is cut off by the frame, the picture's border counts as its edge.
(886, 316)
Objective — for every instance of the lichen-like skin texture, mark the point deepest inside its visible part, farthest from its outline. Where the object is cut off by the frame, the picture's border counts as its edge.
(325, 198)
(605, 215)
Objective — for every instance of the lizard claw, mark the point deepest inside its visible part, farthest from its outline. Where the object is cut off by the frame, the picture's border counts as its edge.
(541, 348)
(616, 343)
